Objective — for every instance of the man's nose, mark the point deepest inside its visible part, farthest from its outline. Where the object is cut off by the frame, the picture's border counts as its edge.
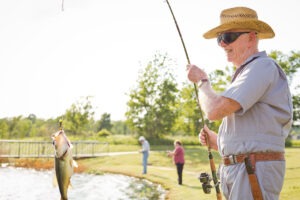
(222, 43)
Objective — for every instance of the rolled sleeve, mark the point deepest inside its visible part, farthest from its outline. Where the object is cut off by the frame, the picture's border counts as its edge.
(251, 85)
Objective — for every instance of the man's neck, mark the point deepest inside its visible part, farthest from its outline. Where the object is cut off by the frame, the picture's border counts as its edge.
(247, 54)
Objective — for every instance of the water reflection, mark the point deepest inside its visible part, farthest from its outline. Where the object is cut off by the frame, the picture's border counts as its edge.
(19, 183)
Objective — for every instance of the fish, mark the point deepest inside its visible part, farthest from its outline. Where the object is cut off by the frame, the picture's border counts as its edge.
(63, 162)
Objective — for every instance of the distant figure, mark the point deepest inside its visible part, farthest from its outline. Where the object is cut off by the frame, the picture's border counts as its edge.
(145, 151)
(178, 158)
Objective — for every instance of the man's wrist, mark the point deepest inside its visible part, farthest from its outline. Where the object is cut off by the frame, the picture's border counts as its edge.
(202, 81)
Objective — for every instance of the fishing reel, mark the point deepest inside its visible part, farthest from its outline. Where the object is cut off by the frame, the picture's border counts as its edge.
(205, 179)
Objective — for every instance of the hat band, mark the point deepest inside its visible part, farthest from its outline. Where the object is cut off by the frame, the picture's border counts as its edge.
(242, 15)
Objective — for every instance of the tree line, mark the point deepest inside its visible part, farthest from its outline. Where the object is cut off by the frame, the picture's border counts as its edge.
(158, 105)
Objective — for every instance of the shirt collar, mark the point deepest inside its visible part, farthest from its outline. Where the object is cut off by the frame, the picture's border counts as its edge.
(256, 55)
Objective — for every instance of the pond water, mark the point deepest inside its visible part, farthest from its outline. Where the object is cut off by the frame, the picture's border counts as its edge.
(30, 184)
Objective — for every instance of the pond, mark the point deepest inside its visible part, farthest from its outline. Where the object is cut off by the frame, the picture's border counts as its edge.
(20, 183)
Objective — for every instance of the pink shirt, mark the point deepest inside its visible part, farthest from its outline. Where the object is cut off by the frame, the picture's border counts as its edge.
(179, 155)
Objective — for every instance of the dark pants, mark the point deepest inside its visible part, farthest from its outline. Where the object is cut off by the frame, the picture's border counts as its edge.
(179, 167)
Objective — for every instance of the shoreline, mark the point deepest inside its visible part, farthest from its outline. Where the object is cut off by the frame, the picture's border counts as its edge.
(48, 164)
(36, 163)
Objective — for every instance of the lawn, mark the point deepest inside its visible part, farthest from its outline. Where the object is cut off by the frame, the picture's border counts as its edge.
(161, 170)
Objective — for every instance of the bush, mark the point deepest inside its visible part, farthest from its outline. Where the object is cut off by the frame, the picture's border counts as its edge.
(103, 133)
(295, 143)
(288, 142)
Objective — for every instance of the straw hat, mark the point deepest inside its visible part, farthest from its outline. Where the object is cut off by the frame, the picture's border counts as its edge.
(240, 18)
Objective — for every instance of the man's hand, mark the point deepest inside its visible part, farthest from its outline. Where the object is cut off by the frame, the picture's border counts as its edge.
(212, 138)
(195, 74)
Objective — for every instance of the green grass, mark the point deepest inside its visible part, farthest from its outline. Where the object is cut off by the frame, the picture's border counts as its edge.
(161, 170)
(291, 187)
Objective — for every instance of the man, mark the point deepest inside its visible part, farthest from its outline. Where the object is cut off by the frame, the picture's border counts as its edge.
(256, 109)
(145, 151)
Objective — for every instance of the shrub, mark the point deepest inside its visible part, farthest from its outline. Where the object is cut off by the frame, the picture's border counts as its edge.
(103, 133)
(288, 142)
(295, 143)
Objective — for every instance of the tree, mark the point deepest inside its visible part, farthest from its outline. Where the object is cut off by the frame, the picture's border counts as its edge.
(78, 117)
(4, 129)
(290, 65)
(120, 127)
(152, 105)
(19, 127)
(188, 121)
(104, 122)
(296, 110)
(32, 118)
(220, 79)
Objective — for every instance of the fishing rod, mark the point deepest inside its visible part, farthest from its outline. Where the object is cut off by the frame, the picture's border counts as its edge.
(204, 177)
(60, 124)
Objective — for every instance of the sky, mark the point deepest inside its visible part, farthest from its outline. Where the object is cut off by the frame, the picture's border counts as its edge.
(50, 58)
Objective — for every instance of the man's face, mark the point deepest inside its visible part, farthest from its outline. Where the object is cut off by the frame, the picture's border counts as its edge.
(236, 44)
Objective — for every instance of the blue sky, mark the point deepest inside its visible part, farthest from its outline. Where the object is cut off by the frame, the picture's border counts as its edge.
(49, 58)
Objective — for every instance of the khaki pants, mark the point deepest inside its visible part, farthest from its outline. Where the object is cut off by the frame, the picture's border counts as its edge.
(236, 186)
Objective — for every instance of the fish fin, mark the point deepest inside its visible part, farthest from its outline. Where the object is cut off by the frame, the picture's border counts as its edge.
(75, 164)
(54, 180)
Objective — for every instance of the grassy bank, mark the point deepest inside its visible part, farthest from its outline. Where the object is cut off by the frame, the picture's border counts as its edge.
(161, 169)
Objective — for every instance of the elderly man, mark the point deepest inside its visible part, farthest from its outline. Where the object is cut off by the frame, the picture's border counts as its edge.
(255, 109)
(145, 151)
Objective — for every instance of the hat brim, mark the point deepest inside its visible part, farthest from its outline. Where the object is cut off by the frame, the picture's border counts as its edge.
(263, 30)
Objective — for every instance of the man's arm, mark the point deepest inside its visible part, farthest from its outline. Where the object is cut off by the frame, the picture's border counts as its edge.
(216, 106)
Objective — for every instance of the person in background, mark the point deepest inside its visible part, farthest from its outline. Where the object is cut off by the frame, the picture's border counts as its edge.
(256, 109)
(178, 158)
(145, 151)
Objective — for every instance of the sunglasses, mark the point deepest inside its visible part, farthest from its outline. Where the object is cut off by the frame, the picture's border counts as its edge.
(229, 37)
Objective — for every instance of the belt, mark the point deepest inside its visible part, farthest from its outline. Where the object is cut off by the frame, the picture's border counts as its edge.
(262, 156)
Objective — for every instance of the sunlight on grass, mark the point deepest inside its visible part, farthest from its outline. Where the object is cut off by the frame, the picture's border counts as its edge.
(162, 170)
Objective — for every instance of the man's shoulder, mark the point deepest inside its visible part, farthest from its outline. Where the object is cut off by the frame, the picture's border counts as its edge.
(266, 64)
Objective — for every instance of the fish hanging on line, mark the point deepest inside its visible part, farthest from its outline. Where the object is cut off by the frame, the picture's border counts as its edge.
(64, 163)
